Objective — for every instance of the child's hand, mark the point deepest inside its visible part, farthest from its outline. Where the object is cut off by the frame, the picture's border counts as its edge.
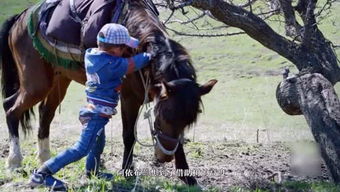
(152, 54)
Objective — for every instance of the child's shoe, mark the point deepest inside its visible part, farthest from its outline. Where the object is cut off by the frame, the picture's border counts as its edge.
(43, 179)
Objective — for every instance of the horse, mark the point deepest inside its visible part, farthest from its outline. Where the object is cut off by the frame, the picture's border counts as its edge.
(173, 88)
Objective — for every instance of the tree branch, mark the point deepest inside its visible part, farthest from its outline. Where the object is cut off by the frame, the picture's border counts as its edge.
(310, 27)
(204, 35)
(204, 13)
(249, 3)
(254, 26)
(301, 7)
(325, 7)
(293, 28)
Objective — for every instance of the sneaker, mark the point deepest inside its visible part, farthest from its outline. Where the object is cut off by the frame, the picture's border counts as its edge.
(42, 179)
(101, 175)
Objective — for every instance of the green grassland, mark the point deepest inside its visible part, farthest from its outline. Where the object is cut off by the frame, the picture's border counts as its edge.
(242, 102)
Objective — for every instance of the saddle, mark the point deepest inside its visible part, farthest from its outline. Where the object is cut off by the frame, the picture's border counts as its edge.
(61, 30)
(78, 21)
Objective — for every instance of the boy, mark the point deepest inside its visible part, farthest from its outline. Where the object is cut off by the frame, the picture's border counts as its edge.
(104, 69)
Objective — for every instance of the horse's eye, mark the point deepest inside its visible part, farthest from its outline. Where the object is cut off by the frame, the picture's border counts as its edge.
(169, 54)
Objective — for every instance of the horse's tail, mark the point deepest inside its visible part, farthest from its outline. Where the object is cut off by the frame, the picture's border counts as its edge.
(9, 76)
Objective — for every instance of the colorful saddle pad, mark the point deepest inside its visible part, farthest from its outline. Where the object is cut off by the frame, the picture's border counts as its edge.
(56, 52)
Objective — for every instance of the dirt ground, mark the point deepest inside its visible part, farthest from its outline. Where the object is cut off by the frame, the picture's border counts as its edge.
(224, 165)
(221, 163)
(215, 164)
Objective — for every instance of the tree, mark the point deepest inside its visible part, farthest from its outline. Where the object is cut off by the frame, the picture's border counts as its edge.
(310, 92)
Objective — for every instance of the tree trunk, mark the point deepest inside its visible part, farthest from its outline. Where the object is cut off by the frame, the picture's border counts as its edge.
(314, 96)
(311, 93)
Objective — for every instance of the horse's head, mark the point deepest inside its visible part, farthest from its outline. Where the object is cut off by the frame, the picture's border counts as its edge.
(178, 98)
(175, 90)
(177, 106)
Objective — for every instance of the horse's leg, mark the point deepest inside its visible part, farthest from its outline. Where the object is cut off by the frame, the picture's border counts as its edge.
(14, 157)
(22, 102)
(181, 163)
(129, 108)
(47, 110)
(129, 115)
(35, 77)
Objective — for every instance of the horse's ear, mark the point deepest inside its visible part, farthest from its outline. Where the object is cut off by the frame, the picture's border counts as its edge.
(160, 89)
(166, 88)
(206, 88)
(163, 95)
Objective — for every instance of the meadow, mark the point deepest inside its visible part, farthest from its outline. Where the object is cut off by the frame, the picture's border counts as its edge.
(241, 128)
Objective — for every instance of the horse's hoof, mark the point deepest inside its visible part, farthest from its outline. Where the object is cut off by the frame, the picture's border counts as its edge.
(14, 161)
(43, 150)
(43, 156)
(189, 181)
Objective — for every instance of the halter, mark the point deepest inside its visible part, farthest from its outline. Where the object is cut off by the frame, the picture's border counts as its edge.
(156, 134)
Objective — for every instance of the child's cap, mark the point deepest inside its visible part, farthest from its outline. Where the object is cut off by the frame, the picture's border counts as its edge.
(117, 34)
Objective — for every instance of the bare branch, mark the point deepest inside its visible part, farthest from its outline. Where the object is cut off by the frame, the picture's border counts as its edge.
(328, 4)
(204, 35)
(171, 14)
(265, 15)
(181, 5)
(253, 25)
(293, 28)
(310, 27)
(204, 13)
(249, 3)
(301, 8)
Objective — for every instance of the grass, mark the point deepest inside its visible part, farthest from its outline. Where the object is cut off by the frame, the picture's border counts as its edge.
(241, 103)
(9, 8)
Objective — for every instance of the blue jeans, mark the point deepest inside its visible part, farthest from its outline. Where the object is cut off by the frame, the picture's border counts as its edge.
(91, 143)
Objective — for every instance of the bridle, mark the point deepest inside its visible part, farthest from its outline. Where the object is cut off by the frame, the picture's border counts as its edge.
(156, 134)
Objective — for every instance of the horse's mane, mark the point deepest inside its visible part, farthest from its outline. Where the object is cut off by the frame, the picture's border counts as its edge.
(148, 23)
(149, 29)
(144, 24)
(182, 66)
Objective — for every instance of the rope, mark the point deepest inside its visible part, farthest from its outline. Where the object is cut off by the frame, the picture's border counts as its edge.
(146, 84)
(147, 114)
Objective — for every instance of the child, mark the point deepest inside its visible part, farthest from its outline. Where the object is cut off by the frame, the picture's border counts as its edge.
(105, 68)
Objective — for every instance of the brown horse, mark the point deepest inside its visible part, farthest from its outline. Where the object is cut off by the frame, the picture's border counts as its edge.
(28, 79)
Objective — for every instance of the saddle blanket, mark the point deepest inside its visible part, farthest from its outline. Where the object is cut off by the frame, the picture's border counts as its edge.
(56, 46)
(78, 22)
